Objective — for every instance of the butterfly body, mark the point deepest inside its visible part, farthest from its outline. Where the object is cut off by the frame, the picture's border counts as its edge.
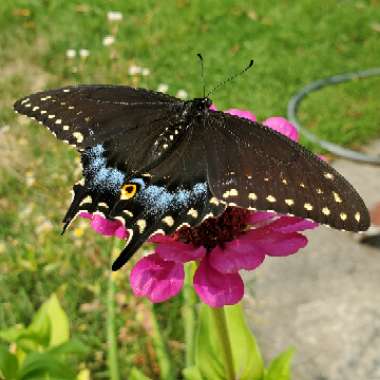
(156, 162)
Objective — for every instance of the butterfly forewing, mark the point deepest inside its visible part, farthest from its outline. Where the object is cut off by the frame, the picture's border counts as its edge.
(252, 166)
(127, 121)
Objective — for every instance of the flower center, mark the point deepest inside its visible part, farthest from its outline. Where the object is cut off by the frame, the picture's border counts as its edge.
(216, 231)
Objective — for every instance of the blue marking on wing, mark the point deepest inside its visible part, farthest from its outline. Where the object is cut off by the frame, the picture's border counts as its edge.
(158, 200)
(102, 178)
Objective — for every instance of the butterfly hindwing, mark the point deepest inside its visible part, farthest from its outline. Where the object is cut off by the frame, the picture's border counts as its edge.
(158, 209)
(252, 166)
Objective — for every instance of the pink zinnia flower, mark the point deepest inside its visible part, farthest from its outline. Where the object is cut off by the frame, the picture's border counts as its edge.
(236, 240)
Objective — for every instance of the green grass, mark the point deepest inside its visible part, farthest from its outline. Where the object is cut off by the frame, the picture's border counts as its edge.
(292, 44)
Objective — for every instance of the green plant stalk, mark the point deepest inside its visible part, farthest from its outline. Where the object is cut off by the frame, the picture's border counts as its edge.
(112, 350)
(220, 321)
(163, 357)
(188, 312)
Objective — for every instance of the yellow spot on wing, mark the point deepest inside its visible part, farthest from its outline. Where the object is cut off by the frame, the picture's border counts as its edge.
(214, 201)
(87, 199)
(326, 211)
(328, 176)
(343, 216)
(193, 213)
(308, 206)
(252, 196)
(357, 216)
(78, 136)
(168, 220)
(337, 197)
(141, 223)
(289, 202)
(271, 198)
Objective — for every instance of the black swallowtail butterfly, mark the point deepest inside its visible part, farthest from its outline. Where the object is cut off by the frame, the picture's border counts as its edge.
(157, 162)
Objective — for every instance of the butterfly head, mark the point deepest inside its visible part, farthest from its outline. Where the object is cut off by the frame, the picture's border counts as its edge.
(199, 106)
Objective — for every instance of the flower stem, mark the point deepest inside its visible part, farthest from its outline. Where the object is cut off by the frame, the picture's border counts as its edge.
(219, 317)
(111, 329)
(163, 357)
(188, 313)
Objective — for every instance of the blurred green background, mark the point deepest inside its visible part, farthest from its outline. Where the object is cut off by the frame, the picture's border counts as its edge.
(46, 44)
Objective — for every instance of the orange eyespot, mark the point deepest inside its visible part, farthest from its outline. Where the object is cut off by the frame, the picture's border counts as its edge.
(128, 191)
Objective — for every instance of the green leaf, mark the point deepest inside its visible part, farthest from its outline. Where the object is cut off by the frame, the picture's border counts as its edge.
(59, 322)
(39, 329)
(25, 338)
(40, 365)
(136, 374)
(247, 359)
(11, 334)
(71, 347)
(280, 367)
(192, 373)
(8, 364)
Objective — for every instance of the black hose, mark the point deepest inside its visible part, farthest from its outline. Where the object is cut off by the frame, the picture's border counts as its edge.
(295, 101)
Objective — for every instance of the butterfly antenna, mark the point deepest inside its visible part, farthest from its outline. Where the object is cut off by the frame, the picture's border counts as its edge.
(231, 78)
(199, 55)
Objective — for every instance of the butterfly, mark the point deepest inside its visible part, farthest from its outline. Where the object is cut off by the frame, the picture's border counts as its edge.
(157, 163)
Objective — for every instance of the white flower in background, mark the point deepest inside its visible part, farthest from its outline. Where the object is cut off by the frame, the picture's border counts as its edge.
(134, 70)
(163, 87)
(44, 226)
(84, 53)
(182, 94)
(114, 16)
(71, 53)
(145, 71)
(29, 178)
(108, 40)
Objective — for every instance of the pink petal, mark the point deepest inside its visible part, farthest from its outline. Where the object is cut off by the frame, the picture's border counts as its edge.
(156, 279)
(121, 232)
(276, 243)
(160, 238)
(280, 124)
(241, 113)
(180, 252)
(217, 289)
(257, 217)
(288, 224)
(105, 226)
(86, 215)
(238, 254)
(213, 107)
(173, 250)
